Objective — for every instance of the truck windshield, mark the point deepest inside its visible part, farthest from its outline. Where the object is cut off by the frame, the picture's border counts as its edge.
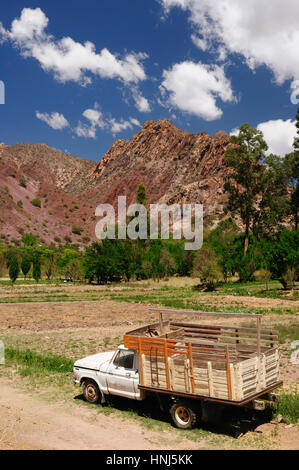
(124, 359)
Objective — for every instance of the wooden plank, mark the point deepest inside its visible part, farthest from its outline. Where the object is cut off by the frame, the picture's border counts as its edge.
(141, 364)
(186, 375)
(258, 336)
(229, 387)
(166, 364)
(191, 366)
(210, 377)
(206, 314)
(223, 327)
(160, 322)
(226, 332)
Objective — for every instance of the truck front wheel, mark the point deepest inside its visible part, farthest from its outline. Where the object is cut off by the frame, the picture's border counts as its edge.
(91, 391)
(183, 415)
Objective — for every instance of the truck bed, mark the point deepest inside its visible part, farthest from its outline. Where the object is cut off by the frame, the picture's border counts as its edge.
(225, 363)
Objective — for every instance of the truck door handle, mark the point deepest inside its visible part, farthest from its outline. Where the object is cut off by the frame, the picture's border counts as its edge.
(128, 374)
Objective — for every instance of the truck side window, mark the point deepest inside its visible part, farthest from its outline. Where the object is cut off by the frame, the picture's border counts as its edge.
(124, 359)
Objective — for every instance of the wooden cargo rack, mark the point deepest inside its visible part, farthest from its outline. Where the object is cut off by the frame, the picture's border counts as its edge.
(218, 362)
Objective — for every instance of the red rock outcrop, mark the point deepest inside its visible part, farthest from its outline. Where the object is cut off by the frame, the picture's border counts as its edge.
(175, 165)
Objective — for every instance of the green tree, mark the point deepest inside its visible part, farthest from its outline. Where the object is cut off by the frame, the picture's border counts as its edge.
(14, 269)
(36, 271)
(281, 255)
(103, 262)
(222, 240)
(2, 262)
(291, 162)
(168, 261)
(244, 159)
(29, 240)
(272, 206)
(49, 262)
(25, 265)
(207, 268)
(67, 263)
(141, 194)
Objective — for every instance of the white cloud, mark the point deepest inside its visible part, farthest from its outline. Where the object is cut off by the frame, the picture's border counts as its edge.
(55, 120)
(235, 131)
(98, 121)
(67, 59)
(263, 32)
(141, 103)
(279, 135)
(122, 125)
(95, 118)
(194, 88)
(135, 122)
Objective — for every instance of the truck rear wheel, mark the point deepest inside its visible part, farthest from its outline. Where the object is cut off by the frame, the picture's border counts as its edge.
(183, 415)
(91, 391)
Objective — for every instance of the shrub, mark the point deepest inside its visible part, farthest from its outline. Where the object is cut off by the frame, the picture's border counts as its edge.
(263, 275)
(22, 182)
(206, 267)
(77, 230)
(36, 202)
(288, 406)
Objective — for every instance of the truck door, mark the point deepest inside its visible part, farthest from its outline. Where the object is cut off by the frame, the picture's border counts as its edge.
(122, 375)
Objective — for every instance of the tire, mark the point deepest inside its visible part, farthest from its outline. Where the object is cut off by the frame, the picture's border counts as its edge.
(183, 415)
(91, 391)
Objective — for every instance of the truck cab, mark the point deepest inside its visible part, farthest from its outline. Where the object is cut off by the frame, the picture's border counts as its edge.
(109, 373)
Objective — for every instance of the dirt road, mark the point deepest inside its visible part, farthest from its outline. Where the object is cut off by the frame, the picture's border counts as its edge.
(31, 422)
(26, 422)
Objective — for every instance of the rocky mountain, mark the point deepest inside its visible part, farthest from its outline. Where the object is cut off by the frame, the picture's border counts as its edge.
(175, 165)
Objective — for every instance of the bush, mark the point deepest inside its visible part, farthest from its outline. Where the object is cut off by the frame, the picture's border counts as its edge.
(288, 406)
(206, 267)
(77, 230)
(263, 275)
(36, 202)
(22, 182)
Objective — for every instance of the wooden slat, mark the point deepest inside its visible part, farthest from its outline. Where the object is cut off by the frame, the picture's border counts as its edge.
(206, 314)
(229, 386)
(223, 327)
(166, 365)
(191, 366)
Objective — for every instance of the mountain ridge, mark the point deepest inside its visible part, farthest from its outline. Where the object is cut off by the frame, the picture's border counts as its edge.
(175, 165)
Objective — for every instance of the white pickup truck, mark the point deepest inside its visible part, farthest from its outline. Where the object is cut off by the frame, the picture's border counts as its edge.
(117, 373)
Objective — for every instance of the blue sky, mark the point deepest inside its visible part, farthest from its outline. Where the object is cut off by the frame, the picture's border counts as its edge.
(77, 78)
